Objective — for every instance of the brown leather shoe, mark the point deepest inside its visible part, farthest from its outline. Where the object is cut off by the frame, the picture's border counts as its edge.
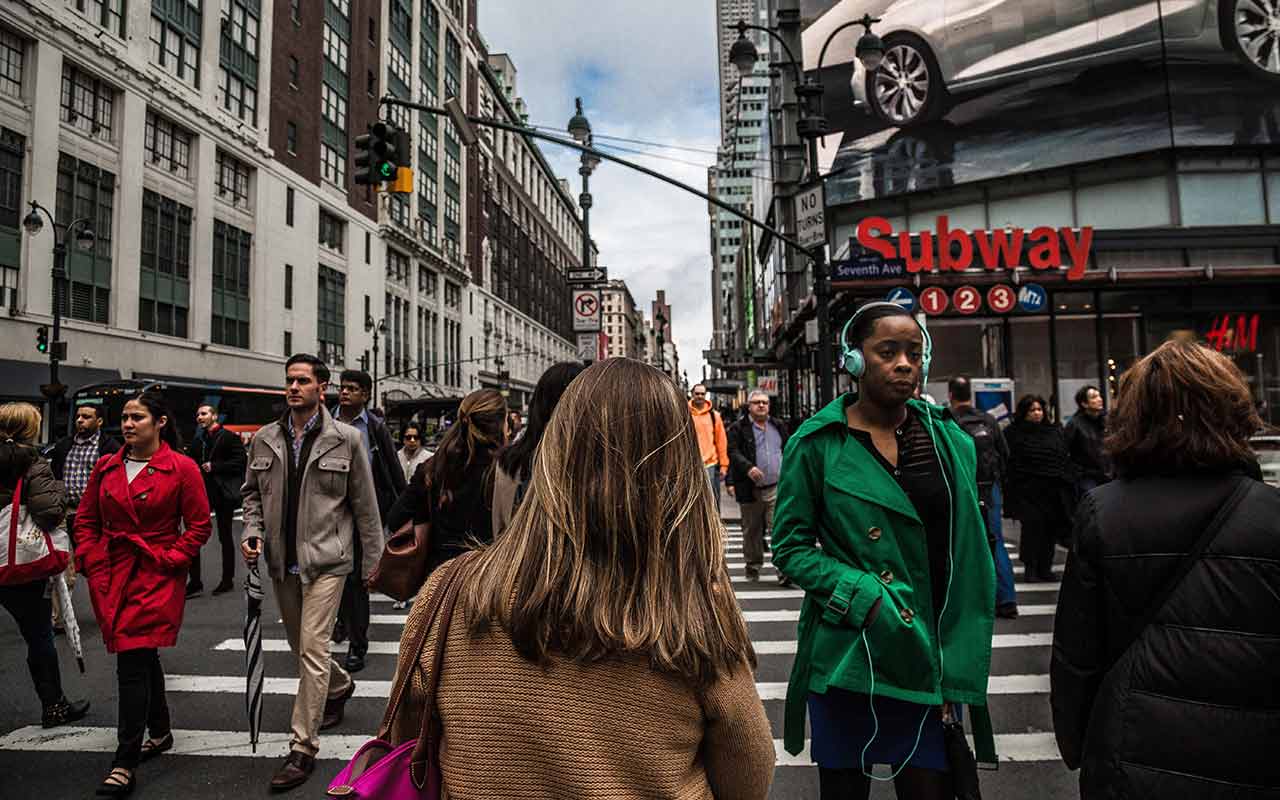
(334, 709)
(295, 770)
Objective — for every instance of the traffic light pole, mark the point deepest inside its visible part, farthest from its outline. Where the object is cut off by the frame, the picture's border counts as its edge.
(59, 279)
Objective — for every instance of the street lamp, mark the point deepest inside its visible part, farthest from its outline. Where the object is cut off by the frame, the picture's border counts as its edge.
(33, 224)
(378, 328)
(660, 325)
(580, 129)
(504, 377)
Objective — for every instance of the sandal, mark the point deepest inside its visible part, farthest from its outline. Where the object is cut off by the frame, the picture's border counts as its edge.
(119, 783)
(154, 747)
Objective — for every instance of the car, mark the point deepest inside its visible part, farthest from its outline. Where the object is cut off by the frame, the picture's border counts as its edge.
(1268, 450)
(937, 51)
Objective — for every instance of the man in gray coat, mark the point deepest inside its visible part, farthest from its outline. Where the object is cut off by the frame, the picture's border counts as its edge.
(308, 493)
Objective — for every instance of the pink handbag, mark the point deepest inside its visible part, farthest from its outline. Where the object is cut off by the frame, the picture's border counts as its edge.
(412, 770)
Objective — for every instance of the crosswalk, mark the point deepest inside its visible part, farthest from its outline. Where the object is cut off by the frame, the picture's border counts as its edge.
(1018, 688)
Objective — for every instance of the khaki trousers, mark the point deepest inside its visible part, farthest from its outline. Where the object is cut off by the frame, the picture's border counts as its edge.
(309, 611)
(757, 522)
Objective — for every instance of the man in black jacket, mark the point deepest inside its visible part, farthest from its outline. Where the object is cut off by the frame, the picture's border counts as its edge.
(73, 457)
(221, 456)
(354, 391)
(1084, 433)
(755, 445)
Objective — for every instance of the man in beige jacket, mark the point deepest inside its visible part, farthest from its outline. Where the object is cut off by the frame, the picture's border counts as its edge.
(308, 491)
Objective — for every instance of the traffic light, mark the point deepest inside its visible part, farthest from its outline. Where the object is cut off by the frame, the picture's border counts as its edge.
(379, 154)
(42, 339)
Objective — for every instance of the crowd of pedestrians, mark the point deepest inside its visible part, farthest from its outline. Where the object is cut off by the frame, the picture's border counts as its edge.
(577, 585)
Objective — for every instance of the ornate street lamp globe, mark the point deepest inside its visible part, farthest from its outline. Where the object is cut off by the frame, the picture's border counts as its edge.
(743, 53)
(870, 51)
(85, 239)
(579, 127)
(32, 223)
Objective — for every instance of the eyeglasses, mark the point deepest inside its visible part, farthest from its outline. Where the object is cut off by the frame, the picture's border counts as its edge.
(410, 438)
(759, 402)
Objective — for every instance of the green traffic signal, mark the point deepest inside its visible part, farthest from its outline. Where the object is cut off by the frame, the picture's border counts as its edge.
(387, 170)
(42, 339)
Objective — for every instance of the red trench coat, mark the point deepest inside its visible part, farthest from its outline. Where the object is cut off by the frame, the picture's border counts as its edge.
(130, 550)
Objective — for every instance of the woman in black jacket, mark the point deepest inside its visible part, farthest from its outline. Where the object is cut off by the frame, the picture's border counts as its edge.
(453, 490)
(29, 603)
(1040, 489)
(1164, 679)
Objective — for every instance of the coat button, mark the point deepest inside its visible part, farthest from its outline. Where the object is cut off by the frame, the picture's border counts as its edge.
(874, 534)
(908, 615)
(151, 470)
(142, 497)
(886, 577)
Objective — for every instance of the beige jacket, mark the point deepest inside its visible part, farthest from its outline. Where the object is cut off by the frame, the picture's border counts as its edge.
(611, 730)
(336, 499)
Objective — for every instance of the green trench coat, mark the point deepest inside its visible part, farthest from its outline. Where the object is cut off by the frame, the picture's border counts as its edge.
(846, 532)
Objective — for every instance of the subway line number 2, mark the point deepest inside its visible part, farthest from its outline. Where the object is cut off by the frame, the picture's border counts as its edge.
(967, 300)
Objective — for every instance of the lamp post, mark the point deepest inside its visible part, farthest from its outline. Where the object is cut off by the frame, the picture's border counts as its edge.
(378, 328)
(504, 377)
(580, 129)
(660, 332)
(85, 239)
(811, 126)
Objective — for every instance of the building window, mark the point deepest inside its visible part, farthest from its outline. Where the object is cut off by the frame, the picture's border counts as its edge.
(293, 71)
(333, 165)
(397, 268)
(86, 191)
(371, 84)
(168, 145)
(12, 53)
(288, 286)
(291, 138)
(13, 150)
(335, 48)
(175, 39)
(107, 14)
(233, 180)
(427, 281)
(238, 58)
(334, 106)
(398, 67)
(332, 316)
(333, 230)
(164, 288)
(87, 103)
(288, 343)
(368, 247)
(232, 250)
(288, 206)
(295, 14)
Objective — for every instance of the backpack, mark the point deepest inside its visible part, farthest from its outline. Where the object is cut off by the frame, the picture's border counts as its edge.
(979, 428)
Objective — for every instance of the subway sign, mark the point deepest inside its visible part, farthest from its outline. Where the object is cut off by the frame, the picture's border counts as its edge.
(948, 249)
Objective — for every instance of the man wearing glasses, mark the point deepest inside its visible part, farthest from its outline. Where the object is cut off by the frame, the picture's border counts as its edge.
(756, 442)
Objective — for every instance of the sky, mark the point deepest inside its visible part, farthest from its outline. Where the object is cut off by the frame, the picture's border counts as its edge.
(645, 70)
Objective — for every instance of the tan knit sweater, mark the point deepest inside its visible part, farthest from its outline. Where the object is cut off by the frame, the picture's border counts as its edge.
(613, 730)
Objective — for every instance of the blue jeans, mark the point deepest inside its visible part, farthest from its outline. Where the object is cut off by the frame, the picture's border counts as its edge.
(1005, 593)
(713, 477)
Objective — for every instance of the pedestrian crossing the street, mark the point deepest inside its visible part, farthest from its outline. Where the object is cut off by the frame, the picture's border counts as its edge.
(206, 691)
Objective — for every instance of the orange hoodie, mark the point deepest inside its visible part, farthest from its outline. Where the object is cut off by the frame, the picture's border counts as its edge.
(712, 442)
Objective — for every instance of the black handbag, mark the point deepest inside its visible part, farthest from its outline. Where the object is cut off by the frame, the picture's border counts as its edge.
(964, 767)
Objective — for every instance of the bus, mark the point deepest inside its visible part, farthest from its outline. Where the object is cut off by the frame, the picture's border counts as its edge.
(243, 409)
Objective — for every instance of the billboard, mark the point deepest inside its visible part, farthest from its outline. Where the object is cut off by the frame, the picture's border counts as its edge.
(975, 89)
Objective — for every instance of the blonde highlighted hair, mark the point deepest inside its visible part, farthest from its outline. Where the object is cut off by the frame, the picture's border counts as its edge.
(616, 548)
(20, 422)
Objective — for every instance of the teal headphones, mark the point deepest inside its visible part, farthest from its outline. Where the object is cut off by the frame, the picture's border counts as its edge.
(855, 363)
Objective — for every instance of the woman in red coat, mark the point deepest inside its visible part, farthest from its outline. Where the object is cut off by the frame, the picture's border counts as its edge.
(135, 556)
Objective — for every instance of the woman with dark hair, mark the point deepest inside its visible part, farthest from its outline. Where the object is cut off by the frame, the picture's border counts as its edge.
(1040, 485)
(143, 517)
(1163, 680)
(453, 490)
(878, 521)
(28, 603)
(515, 464)
(597, 650)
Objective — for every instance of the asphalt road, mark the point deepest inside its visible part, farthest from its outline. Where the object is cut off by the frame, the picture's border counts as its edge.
(212, 757)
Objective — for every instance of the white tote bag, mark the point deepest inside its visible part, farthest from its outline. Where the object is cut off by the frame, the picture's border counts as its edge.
(27, 553)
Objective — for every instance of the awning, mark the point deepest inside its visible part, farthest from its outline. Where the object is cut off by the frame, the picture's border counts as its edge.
(22, 379)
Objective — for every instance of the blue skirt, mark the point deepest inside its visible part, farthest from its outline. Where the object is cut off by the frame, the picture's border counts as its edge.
(840, 727)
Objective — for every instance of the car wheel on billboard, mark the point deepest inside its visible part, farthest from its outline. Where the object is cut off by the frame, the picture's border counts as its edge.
(1252, 32)
(907, 89)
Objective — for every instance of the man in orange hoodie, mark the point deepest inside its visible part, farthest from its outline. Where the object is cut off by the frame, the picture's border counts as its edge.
(712, 442)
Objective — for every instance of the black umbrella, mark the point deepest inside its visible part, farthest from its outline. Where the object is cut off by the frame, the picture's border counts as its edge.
(253, 651)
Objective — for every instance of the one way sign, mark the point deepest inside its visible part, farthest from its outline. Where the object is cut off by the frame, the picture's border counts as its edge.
(591, 275)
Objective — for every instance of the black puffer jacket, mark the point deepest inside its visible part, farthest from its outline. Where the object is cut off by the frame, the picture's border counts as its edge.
(43, 495)
(1084, 436)
(1193, 710)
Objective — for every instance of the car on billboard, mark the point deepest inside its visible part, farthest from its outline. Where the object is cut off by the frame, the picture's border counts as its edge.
(937, 51)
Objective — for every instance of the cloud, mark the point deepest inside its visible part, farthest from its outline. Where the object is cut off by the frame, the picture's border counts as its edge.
(645, 71)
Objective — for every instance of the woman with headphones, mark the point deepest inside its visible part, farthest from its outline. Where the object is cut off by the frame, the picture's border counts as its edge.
(878, 521)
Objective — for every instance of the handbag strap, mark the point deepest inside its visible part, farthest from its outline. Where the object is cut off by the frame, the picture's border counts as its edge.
(1211, 531)
(14, 513)
(428, 743)
(414, 645)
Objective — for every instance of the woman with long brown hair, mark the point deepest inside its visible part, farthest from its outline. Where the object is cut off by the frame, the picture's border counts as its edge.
(597, 649)
(453, 490)
(1168, 630)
